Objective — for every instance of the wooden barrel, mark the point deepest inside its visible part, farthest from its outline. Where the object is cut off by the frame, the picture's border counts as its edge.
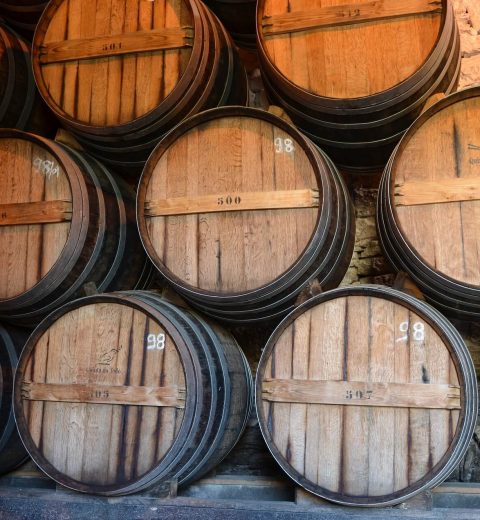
(22, 15)
(238, 16)
(366, 396)
(354, 77)
(66, 226)
(429, 201)
(12, 452)
(239, 212)
(20, 105)
(120, 82)
(156, 393)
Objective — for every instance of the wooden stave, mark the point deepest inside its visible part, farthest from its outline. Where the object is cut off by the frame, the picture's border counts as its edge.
(330, 186)
(328, 271)
(197, 397)
(12, 452)
(362, 104)
(465, 369)
(102, 239)
(460, 300)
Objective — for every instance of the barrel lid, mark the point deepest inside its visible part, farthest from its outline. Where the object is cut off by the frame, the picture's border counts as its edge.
(348, 50)
(101, 392)
(109, 63)
(366, 396)
(40, 204)
(434, 184)
(230, 200)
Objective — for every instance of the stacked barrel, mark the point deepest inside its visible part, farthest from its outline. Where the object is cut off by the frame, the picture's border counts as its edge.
(164, 186)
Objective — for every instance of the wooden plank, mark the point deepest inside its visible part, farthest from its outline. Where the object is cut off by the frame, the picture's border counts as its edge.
(170, 396)
(417, 193)
(288, 199)
(357, 346)
(116, 45)
(348, 14)
(45, 212)
(361, 393)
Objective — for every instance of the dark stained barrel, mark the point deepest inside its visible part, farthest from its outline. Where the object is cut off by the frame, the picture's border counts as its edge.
(20, 105)
(240, 212)
(137, 77)
(366, 396)
(354, 77)
(157, 393)
(22, 15)
(12, 452)
(429, 203)
(66, 227)
(239, 17)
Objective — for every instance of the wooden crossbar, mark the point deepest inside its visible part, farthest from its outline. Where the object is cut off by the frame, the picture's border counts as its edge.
(233, 202)
(106, 46)
(354, 393)
(348, 14)
(167, 396)
(418, 193)
(46, 212)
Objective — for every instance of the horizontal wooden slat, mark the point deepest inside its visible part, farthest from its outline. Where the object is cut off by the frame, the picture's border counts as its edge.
(348, 14)
(353, 393)
(233, 202)
(106, 46)
(439, 191)
(167, 396)
(47, 212)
